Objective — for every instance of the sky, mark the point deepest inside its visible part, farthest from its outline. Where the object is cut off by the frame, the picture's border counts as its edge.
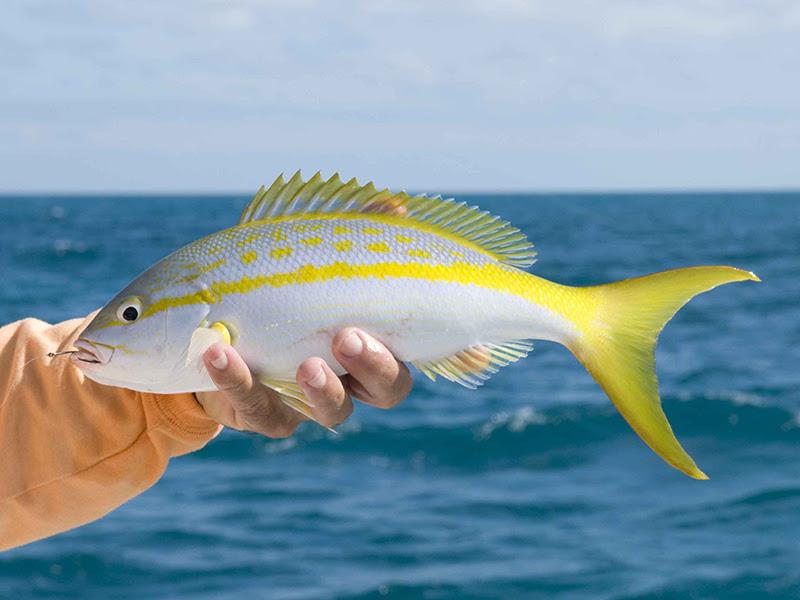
(210, 96)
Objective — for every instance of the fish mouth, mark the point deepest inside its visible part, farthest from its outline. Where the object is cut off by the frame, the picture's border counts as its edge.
(92, 353)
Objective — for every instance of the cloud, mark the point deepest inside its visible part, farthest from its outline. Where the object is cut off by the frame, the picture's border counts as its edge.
(633, 19)
(420, 94)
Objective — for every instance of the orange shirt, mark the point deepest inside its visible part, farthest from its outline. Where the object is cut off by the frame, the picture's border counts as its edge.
(72, 450)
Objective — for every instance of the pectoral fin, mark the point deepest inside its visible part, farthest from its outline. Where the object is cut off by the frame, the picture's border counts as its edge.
(202, 338)
(293, 396)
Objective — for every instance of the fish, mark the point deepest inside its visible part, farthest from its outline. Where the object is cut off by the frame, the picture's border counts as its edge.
(442, 284)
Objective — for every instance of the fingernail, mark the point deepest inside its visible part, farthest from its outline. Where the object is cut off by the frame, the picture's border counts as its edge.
(217, 358)
(318, 381)
(351, 345)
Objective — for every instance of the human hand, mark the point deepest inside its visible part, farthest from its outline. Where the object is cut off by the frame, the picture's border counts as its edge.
(374, 377)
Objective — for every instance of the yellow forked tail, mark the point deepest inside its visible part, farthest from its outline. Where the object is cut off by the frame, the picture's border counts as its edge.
(618, 346)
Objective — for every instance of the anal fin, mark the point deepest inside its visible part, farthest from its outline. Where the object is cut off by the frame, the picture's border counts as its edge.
(474, 365)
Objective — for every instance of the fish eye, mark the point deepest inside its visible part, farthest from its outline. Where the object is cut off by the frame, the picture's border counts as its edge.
(130, 310)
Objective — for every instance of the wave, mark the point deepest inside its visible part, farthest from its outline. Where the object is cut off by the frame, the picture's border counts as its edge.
(554, 436)
(46, 255)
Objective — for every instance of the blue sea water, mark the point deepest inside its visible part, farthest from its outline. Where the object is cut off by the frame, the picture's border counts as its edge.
(531, 487)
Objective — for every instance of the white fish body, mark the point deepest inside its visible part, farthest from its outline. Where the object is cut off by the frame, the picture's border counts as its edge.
(437, 282)
(421, 320)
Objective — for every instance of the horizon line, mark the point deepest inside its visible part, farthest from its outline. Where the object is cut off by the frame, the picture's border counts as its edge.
(463, 192)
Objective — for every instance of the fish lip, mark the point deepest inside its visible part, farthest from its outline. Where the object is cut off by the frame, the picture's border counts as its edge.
(91, 353)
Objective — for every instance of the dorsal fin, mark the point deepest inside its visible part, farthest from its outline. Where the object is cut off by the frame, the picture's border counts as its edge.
(296, 196)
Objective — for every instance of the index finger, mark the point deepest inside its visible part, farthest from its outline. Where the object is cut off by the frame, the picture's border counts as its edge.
(375, 375)
(255, 406)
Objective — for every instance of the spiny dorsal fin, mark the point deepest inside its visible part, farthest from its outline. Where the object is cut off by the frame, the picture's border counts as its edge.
(296, 196)
(473, 366)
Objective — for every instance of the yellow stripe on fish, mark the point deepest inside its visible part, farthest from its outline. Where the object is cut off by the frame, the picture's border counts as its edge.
(490, 276)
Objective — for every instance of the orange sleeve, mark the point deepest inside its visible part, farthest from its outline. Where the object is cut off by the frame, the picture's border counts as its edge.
(72, 450)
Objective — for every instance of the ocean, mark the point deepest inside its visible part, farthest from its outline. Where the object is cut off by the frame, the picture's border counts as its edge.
(530, 487)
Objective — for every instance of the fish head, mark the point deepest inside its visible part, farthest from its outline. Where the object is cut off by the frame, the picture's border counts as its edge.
(139, 339)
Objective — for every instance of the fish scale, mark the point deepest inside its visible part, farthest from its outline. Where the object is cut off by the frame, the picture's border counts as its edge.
(439, 283)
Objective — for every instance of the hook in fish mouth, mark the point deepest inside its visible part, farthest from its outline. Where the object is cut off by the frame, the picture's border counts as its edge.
(92, 353)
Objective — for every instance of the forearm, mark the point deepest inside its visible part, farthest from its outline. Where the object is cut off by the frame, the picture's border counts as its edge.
(72, 450)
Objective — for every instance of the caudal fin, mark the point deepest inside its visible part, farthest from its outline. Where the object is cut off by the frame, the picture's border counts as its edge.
(618, 347)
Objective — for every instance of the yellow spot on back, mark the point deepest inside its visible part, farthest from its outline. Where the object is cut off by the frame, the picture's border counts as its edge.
(248, 239)
(278, 235)
(340, 229)
(419, 253)
(379, 247)
(372, 231)
(249, 257)
(381, 219)
(312, 241)
(456, 253)
(343, 246)
(403, 239)
(300, 227)
(281, 252)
